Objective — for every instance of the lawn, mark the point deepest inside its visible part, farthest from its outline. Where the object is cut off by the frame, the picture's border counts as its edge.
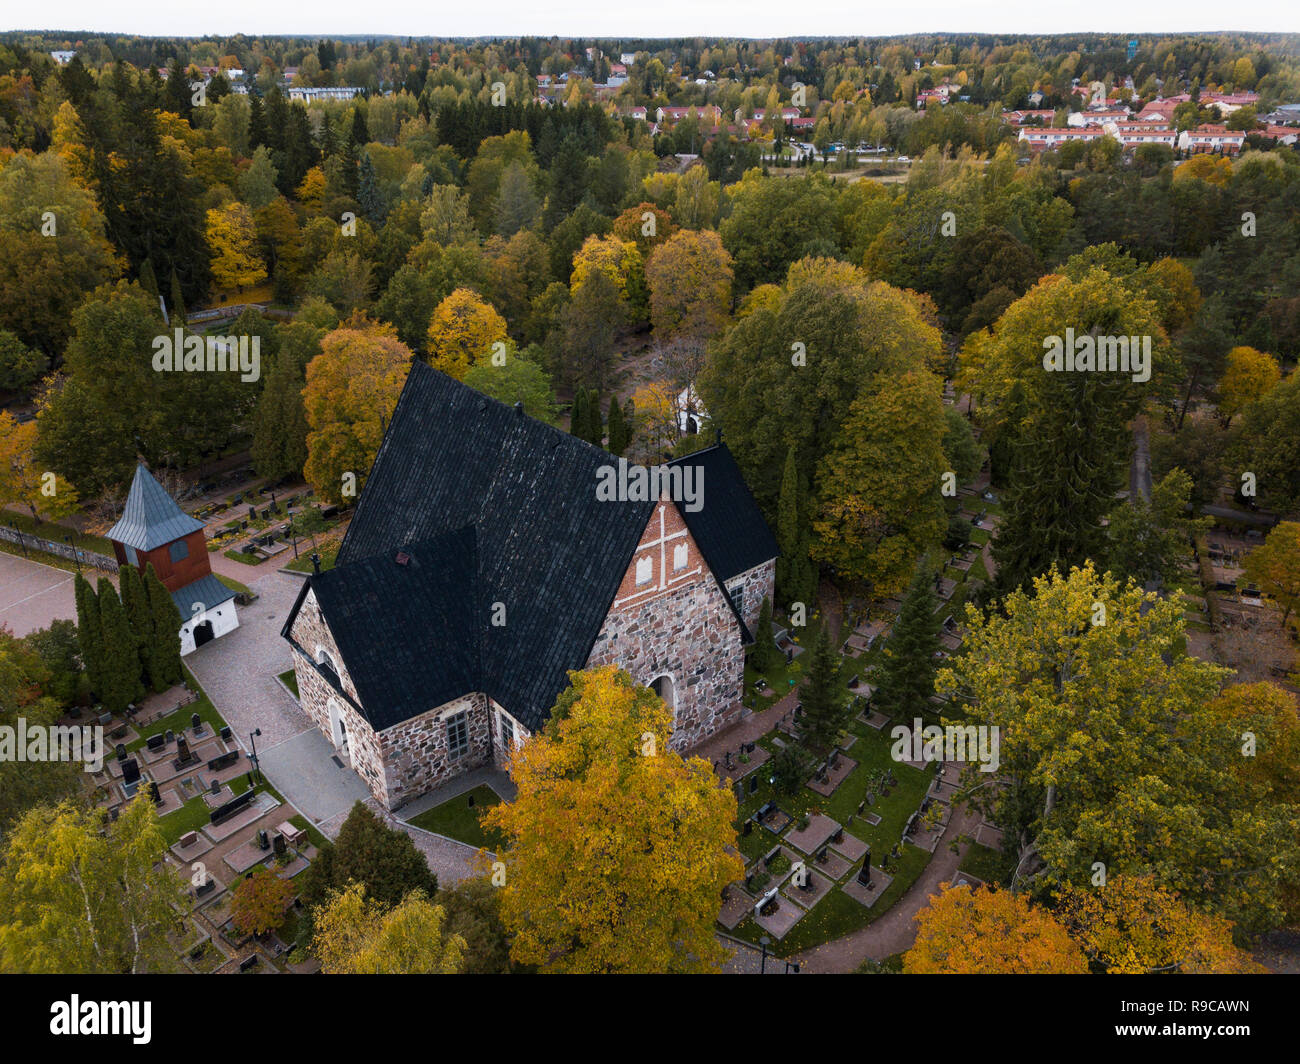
(457, 819)
(987, 864)
(290, 680)
(234, 585)
(302, 564)
(240, 556)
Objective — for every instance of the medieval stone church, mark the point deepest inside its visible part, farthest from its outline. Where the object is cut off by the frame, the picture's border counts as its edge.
(481, 567)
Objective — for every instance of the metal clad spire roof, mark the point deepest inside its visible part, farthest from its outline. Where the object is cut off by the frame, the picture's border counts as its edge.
(151, 517)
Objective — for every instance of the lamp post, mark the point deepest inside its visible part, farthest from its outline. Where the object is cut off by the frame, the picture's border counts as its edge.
(762, 964)
(252, 736)
(22, 540)
(76, 554)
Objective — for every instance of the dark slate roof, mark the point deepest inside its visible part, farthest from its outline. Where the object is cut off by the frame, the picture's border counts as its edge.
(206, 589)
(151, 517)
(730, 528)
(545, 549)
(404, 623)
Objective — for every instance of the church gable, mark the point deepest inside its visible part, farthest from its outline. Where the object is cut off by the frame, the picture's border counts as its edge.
(672, 627)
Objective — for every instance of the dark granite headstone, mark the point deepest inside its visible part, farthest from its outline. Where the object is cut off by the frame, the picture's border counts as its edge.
(154, 793)
(263, 841)
(279, 845)
(864, 873)
(748, 828)
(226, 733)
(120, 750)
(130, 771)
(156, 742)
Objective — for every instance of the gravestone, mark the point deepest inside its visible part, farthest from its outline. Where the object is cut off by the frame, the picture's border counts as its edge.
(226, 733)
(206, 887)
(156, 742)
(215, 786)
(864, 873)
(169, 737)
(281, 847)
(838, 836)
(753, 785)
(196, 723)
(263, 841)
(749, 827)
(221, 761)
(120, 750)
(130, 771)
(154, 793)
(248, 962)
(189, 839)
(183, 755)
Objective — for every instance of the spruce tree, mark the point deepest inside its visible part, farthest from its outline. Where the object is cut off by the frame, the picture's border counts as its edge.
(578, 414)
(121, 658)
(166, 631)
(368, 197)
(787, 526)
(177, 308)
(825, 708)
(764, 654)
(140, 618)
(148, 279)
(280, 422)
(906, 676)
(90, 637)
(256, 122)
(618, 440)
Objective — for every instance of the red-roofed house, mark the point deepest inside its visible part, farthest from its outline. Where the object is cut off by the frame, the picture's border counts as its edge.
(1212, 138)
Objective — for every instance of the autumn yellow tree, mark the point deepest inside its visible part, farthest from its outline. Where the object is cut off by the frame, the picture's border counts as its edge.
(1133, 926)
(1263, 720)
(1274, 567)
(462, 331)
(1213, 169)
(311, 190)
(621, 262)
(968, 932)
(24, 480)
(618, 848)
(359, 936)
(232, 237)
(655, 403)
(259, 901)
(1247, 375)
(351, 390)
(689, 277)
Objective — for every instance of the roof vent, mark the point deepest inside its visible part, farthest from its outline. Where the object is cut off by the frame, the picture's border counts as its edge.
(402, 557)
(482, 404)
(519, 409)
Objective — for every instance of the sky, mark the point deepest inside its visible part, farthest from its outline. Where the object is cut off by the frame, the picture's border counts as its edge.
(659, 18)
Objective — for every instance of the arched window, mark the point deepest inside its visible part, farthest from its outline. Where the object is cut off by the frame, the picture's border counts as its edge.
(326, 663)
(663, 687)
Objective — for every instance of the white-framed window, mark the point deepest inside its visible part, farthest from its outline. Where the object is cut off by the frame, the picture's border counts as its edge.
(179, 550)
(680, 556)
(507, 732)
(458, 734)
(645, 570)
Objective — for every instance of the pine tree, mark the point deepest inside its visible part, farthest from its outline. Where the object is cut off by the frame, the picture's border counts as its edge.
(138, 615)
(121, 658)
(907, 671)
(618, 433)
(825, 708)
(166, 631)
(90, 637)
(360, 131)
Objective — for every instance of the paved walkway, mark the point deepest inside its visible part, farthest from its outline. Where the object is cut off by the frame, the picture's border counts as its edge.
(32, 595)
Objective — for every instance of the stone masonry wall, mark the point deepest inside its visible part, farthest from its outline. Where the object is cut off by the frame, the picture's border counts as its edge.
(315, 696)
(416, 756)
(754, 585)
(676, 621)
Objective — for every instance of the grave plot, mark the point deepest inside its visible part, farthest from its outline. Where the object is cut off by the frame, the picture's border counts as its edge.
(816, 834)
(776, 914)
(869, 885)
(737, 765)
(831, 774)
(919, 832)
(808, 888)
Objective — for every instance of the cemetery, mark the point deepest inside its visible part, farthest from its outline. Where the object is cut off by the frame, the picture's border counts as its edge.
(862, 828)
(220, 819)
